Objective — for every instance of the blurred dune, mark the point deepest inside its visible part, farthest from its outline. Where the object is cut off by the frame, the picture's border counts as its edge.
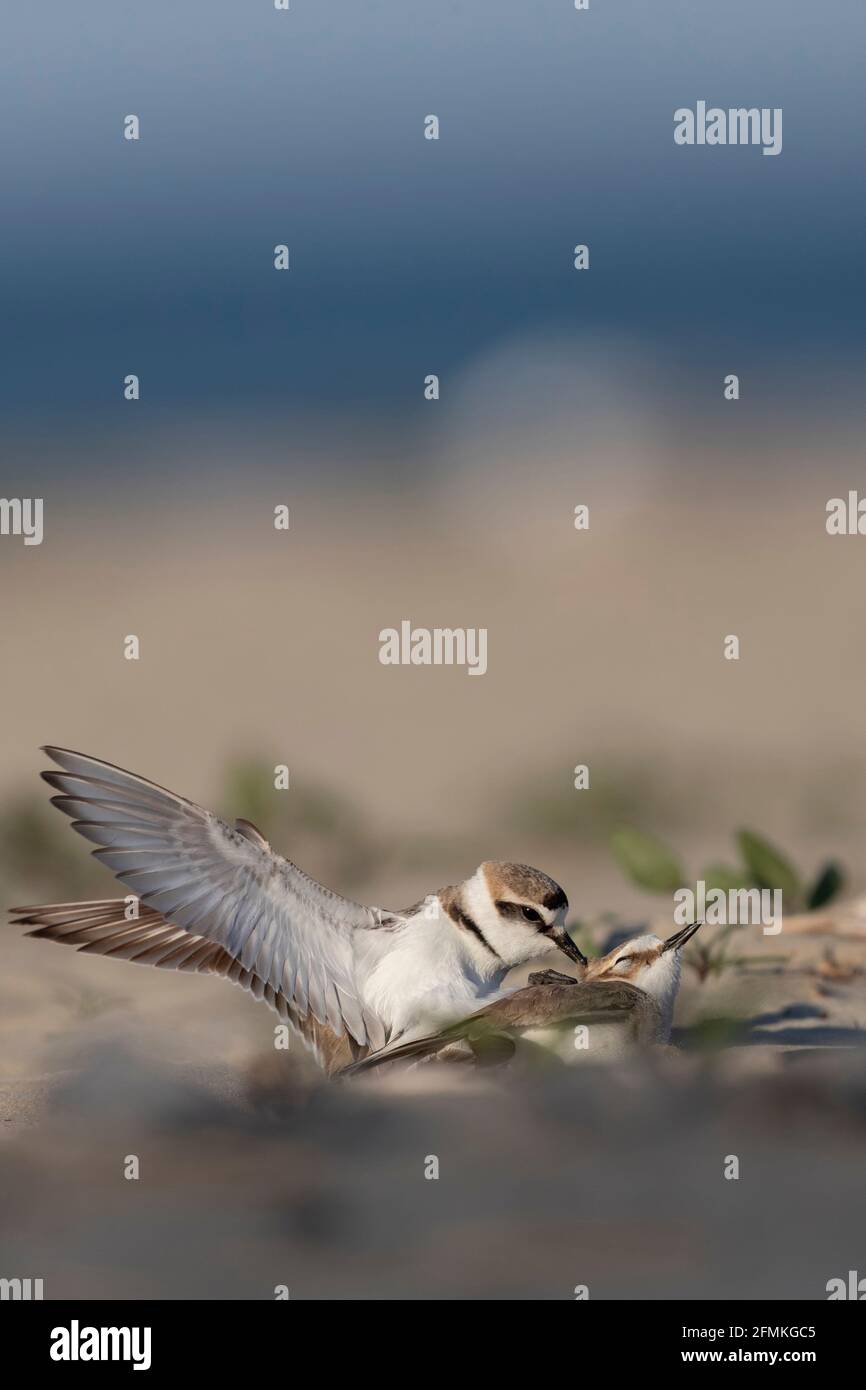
(580, 1178)
(605, 648)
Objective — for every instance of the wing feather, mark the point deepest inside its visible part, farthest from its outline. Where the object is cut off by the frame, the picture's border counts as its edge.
(150, 940)
(210, 886)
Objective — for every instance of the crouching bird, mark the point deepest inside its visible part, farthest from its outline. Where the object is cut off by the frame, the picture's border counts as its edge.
(625, 999)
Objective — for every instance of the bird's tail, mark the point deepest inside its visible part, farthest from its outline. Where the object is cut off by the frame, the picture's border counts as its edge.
(101, 927)
(483, 1044)
(419, 1047)
(106, 927)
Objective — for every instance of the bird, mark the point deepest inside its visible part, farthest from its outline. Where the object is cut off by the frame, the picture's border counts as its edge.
(214, 898)
(622, 1000)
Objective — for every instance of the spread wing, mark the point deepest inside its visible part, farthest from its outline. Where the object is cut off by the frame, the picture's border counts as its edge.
(217, 896)
(536, 1006)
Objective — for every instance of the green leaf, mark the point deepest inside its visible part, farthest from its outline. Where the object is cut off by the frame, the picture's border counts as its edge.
(768, 867)
(648, 862)
(829, 882)
(728, 880)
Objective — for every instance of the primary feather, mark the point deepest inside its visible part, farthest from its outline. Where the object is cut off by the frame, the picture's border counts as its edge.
(213, 897)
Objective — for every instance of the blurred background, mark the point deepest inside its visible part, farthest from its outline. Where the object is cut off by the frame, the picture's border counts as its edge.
(411, 257)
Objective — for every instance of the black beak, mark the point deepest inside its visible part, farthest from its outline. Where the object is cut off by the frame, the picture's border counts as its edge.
(680, 938)
(568, 948)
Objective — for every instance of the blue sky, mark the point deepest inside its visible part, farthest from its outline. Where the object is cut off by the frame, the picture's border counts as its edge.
(260, 127)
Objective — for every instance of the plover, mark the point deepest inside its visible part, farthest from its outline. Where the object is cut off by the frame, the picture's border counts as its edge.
(217, 899)
(623, 999)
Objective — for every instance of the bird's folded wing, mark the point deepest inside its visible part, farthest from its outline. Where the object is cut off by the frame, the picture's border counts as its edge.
(536, 1006)
(219, 886)
(541, 1006)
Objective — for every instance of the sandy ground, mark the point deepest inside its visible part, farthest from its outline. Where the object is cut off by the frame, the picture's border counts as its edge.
(256, 1173)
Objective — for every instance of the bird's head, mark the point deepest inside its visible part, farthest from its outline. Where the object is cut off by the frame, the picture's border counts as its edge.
(647, 962)
(514, 912)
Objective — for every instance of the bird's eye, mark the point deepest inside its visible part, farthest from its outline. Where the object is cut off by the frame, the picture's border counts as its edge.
(623, 960)
(531, 915)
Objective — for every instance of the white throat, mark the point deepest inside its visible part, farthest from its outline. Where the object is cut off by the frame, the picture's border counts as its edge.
(661, 981)
(433, 972)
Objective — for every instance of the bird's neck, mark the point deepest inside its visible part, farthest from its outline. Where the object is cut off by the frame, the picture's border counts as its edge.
(661, 982)
(460, 914)
(434, 970)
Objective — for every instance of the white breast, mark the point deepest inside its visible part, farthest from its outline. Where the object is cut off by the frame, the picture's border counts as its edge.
(420, 977)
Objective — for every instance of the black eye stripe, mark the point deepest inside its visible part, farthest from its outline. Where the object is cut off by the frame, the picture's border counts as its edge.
(516, 912)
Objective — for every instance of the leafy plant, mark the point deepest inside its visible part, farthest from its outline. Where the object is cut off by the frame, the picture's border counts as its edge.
(827, 885)
(767, 867)
(723, 878)
(646, 861)
(709, 958)
(652, 865)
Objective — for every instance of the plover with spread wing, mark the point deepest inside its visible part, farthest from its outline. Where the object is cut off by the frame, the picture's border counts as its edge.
(209, 897)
